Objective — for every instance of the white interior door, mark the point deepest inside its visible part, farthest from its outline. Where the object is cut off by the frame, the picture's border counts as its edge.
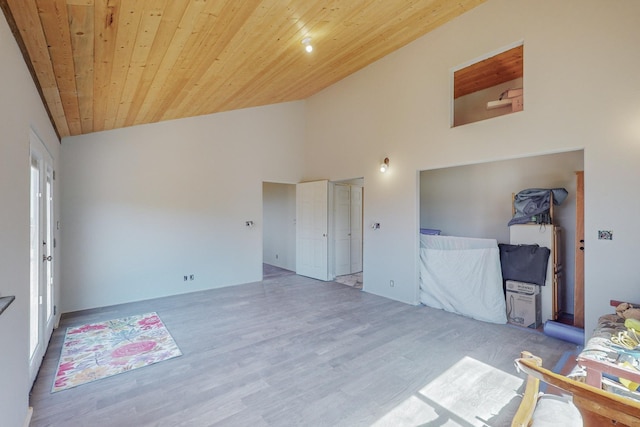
(342, 228)
(41, 291)
(356, 229)
(311, 229)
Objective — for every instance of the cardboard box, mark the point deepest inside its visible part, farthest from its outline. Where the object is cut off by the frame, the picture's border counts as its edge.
(522, 287)
(517, 104)
(514, 93)
(524, 309)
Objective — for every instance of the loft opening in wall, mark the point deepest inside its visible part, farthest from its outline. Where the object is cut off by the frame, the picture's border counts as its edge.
(489, 87)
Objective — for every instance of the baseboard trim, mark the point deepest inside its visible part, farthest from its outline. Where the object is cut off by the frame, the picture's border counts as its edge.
(56, 322)
(27, 420)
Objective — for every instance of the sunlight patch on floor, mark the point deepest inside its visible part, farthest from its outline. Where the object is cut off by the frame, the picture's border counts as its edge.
(413, 411)
(470, 393)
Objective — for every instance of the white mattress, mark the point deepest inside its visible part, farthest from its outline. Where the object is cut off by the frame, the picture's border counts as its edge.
(462, 275)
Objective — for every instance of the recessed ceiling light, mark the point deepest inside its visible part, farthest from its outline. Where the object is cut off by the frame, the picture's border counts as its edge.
(307, 44)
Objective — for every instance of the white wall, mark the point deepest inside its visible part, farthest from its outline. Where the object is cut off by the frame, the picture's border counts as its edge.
(475, 201)
(146, 205)
(143, 206)
(279, 225)
(20, 109)
(582, 91)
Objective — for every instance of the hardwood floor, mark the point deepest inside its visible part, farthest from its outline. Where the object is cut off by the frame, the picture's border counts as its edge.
(295, 351)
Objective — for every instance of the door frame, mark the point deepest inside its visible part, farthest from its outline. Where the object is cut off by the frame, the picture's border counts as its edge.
(327, 272)
(341, 232)
(354, 182)
(355, 230)
(578, 274)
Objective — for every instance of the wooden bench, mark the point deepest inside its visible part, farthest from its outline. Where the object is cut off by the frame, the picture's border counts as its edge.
(598, 359)
(596, 407)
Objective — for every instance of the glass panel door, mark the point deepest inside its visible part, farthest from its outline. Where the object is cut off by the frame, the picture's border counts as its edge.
(42, 289)
(48, 244)
(34, 290)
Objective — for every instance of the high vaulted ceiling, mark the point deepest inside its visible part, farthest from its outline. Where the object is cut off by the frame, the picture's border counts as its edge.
(106, 64)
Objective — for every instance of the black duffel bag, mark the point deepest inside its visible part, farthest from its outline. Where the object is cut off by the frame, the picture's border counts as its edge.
(524, 263)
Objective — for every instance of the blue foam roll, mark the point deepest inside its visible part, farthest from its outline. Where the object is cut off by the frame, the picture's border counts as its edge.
(564, 332)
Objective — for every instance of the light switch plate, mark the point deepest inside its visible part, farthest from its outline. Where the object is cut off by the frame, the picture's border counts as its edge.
(605, 235)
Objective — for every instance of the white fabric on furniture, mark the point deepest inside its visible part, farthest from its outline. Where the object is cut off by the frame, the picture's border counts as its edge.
(462, 275)
(553, 411)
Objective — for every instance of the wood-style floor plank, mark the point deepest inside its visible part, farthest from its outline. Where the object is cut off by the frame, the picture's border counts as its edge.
(290, 351)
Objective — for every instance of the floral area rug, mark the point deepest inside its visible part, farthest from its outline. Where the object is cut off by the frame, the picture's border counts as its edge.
(99, 350)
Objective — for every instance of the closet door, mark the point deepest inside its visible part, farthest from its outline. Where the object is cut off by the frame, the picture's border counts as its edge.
(311, 229)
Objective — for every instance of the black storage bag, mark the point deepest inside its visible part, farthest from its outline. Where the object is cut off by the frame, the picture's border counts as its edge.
(524, 263)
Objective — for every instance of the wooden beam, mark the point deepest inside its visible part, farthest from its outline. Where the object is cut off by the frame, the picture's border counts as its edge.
(81, 30)
(106, 14)
(142, 51)
(17, 34)
(54, 20)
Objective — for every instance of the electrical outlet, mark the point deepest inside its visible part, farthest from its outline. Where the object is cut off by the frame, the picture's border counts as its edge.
(276, 256)
(192, 277)
(186, 278)
(391, 283)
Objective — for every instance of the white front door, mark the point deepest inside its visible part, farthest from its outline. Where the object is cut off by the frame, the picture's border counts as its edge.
(41, 291)
(311, 229)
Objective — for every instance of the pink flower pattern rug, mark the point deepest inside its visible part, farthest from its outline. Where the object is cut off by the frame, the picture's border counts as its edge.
(99, 350)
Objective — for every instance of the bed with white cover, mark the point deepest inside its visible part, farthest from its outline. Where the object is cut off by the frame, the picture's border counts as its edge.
(462, 275)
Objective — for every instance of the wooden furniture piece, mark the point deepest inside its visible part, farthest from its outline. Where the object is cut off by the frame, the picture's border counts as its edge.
(578, 282)
(596, 368)
(597, 407)
(547, 235)
(597, 362)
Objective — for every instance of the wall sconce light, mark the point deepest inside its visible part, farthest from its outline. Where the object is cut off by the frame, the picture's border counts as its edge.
(307, 44)
(384, 165)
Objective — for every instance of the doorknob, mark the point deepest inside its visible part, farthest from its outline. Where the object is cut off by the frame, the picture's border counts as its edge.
(46, 258)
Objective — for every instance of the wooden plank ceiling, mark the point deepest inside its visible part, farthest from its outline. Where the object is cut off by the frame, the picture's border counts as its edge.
(500, 68)
(107, 64)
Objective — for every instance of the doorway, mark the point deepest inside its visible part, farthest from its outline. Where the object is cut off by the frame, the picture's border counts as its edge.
(279, 227)
(42, 261)
(347, 232)
(342, 204)
(475, 201)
